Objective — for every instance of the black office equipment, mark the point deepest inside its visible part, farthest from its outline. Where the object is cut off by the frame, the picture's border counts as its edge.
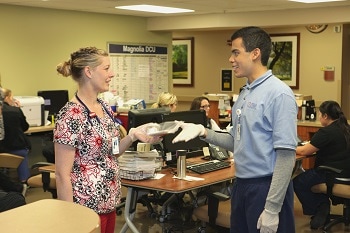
(310, 110)
(217, 152)
(54, 100)
(209, 166)
(195, 146)
(137, 117)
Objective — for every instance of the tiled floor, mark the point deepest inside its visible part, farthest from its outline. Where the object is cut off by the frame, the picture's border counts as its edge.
(147, 224)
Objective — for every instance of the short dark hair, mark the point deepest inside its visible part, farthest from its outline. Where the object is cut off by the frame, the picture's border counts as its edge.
(255, 37)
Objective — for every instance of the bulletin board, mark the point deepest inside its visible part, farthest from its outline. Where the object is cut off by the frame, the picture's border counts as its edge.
(141, 71)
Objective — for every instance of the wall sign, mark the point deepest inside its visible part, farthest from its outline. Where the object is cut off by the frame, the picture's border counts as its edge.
(226, 80)
(141, 71)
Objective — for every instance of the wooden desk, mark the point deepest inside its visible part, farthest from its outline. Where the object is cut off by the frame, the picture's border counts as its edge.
(38, 129)
(170, 185)
(52, 216)
(299, 162)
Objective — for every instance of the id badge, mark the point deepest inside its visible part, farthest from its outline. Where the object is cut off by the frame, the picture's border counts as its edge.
(238, 133)
(115, 145)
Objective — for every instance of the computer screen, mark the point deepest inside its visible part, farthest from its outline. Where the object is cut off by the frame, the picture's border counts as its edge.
(194, 146)
(54, 100)
(137, 117)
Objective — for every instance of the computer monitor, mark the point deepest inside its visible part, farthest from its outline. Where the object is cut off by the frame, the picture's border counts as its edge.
(54, 100)
(195, 146)
(137, 117)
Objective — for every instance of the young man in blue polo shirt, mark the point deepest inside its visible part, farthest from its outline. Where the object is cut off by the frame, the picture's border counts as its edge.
(263, 139)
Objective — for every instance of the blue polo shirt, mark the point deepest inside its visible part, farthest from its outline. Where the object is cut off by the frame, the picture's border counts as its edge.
(264, 118)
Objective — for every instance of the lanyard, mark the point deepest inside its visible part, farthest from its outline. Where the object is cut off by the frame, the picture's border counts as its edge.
(93, 114)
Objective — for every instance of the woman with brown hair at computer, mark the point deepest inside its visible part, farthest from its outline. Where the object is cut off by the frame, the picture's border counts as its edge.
(202, 103)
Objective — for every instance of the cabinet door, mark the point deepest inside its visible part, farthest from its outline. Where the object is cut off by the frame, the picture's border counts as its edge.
(306, 133)
(214, 110)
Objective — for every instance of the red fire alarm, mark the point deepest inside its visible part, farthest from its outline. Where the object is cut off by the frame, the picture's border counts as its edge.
(328, 73)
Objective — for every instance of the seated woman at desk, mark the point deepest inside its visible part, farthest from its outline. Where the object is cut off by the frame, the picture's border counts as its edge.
(332, 147)
(166, 100)
(15, 141)
(203, 103)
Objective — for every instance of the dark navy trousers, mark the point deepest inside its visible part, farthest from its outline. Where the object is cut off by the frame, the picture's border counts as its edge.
(302, 188)
(247, 203)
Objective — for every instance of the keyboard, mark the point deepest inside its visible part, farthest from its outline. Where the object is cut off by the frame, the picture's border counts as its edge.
(209, 166)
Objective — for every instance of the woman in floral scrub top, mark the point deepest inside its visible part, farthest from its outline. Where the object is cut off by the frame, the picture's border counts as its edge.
(87, 171)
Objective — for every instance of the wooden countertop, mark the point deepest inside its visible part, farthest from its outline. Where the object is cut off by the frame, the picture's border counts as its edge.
(50, 215)
(172, 185)
(309, 123)
(38, 129)
(300, 123)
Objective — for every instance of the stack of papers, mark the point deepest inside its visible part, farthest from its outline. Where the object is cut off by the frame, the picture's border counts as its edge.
(138, 161)
(136, 165)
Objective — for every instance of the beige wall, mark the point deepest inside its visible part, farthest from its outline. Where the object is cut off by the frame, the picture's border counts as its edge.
(316, 51)
(34, 40)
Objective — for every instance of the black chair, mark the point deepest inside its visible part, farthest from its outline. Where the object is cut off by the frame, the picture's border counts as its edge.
(339, 193)
(8, 160)
(43, 179)
(216, 212)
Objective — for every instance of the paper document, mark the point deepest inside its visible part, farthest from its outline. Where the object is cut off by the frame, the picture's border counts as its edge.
(189, 178)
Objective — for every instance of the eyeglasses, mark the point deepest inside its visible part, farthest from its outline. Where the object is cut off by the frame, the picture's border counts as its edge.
(205, 106)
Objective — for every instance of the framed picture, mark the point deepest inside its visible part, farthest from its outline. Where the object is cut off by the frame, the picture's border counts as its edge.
(226, 80)
(182, 60)
(284, 58)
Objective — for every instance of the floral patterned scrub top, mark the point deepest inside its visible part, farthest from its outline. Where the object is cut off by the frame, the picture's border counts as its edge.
(95, 173)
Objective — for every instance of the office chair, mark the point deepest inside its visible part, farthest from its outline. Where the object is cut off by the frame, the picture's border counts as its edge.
(216, 212)
(8, 160)
(338, 193)
(45, 180)
(11, 199)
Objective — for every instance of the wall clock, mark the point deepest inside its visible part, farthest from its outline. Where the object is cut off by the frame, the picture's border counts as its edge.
(316, 28)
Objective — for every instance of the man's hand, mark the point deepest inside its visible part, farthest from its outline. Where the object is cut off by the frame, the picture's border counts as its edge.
(268, 222)
(189, 131)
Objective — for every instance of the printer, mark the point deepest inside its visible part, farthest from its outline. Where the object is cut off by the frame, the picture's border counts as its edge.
(132, 104)
(33, 109)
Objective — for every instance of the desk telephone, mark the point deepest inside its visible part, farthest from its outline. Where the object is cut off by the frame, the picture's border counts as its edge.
(217, 152)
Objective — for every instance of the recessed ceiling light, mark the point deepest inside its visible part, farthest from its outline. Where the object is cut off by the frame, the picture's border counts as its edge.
(315, 1)
(155, 9)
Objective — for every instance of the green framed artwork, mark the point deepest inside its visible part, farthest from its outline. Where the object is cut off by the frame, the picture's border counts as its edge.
(182, 61)
(284, 58)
